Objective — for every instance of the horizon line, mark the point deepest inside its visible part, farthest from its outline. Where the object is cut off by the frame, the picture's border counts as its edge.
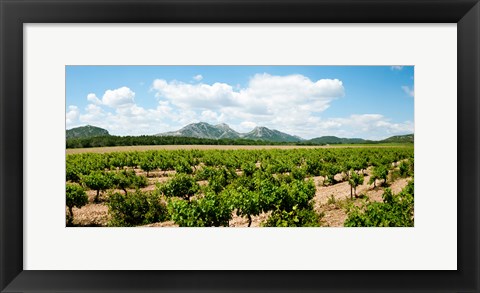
(258, 126)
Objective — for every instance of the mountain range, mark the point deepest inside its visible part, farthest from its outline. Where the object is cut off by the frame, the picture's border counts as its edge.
(223, 131)
(219, 131)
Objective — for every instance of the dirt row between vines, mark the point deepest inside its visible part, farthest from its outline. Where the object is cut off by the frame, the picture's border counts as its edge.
(96, 214)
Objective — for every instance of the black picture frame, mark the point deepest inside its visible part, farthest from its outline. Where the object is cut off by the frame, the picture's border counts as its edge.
(15, 13)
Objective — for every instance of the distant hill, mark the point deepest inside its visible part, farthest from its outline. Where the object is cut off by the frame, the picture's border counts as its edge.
(264, 133)
(86, 132)
(204, 130)
(335, 140)
(399, 139)
(223, 131)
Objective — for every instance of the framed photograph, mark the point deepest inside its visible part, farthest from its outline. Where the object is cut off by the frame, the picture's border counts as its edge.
(318, 110)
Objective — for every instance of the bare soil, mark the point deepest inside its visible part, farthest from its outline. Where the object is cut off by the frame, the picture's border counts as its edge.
(92, 214)
(335, 214)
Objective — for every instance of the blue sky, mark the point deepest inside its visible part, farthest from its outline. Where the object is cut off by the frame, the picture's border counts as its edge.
(372, 102)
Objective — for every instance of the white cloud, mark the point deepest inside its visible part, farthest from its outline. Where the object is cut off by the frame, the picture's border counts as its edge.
(212, 117)
(279, 95)
(195, 96)
(94, 114)
(246, 126)
(93, 98)
(119, 97)
(72, 115)
(128, 120)
(292, 104)
(396, 67)
(132, 119)
(369, 126)
(279, 101)
(198, 77)
(409, 91)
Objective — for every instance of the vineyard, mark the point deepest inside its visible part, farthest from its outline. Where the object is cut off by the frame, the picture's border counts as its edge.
(299, 187)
